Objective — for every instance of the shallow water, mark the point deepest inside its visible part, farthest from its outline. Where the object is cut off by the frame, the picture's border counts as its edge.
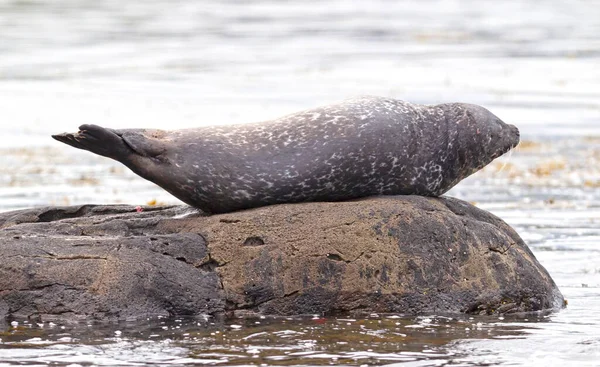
(174, 64)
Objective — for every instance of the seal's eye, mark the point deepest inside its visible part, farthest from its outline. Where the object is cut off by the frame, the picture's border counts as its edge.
(496, 129)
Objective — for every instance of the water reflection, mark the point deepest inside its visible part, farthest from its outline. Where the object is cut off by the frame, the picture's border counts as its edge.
(379, 339)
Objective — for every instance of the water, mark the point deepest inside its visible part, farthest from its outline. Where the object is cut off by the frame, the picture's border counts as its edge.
(175, 64)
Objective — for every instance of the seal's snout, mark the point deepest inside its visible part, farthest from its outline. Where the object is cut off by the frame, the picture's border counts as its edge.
(514, 130)
(514, 134)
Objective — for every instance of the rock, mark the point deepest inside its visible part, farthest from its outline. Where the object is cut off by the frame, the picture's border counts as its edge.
(405, 254)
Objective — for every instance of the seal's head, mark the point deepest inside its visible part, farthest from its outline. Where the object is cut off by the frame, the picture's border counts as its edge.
(477, 137)
(489, 136)
(496, 136)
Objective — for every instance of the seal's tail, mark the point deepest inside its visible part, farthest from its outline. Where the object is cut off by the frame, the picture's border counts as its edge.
(96, 139)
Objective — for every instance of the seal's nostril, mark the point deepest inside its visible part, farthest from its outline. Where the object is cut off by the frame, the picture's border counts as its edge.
(515, 130)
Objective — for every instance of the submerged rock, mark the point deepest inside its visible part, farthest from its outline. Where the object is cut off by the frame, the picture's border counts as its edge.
(405, 254)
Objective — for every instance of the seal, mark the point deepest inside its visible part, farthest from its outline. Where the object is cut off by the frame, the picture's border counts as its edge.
(360, 147)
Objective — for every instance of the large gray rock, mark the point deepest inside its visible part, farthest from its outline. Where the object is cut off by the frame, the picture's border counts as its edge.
(404, 254)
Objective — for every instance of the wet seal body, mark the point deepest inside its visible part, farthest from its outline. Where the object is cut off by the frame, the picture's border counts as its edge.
(361, 147)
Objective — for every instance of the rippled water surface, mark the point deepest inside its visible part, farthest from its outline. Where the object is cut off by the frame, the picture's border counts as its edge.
(175, 64)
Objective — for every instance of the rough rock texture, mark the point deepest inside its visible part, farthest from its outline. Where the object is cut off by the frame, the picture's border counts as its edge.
(406, 254)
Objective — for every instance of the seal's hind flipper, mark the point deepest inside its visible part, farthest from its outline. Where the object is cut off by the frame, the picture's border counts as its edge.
(97, 139)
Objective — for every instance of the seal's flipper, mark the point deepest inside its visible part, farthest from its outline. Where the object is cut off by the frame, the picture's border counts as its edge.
(115, 144)
(97, 139)
(143, 142)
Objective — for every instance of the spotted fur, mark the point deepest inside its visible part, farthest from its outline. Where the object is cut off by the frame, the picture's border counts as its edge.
(360, 147)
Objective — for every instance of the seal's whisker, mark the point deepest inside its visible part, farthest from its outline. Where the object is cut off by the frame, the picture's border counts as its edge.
(508, 157)
(517, 147)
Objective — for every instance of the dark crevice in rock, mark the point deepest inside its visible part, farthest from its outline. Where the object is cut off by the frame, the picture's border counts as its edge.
(502, 248)
(336, 257)
(211, 264)
(499, 250)
(82, 245)
(51, 254)
(80, 257)
(291, 294)
(227, 220)
(358, 257)
(54, 214)
(254, 241)
(34, 288)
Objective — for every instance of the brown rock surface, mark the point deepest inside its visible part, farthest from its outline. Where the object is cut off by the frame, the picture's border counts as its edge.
(404, 254)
